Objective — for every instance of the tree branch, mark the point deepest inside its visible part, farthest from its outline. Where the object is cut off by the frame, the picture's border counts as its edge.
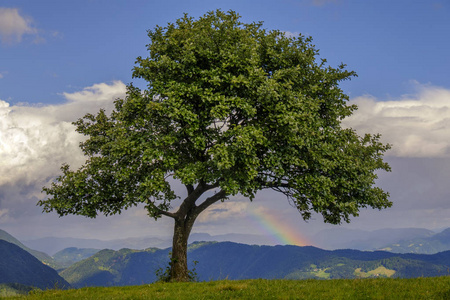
(209, 201)
(167, 214)
(211, 186)
(189, 188)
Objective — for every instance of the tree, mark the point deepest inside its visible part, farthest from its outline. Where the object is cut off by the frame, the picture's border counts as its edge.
(230, 108)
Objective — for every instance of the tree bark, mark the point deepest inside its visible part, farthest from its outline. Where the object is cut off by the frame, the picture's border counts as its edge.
(178, 265)
(184, 221)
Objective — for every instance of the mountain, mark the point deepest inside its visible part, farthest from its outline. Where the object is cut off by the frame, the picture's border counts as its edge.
(249, 239)
(342, 238)
(220, 260)
(69, 256)
(237, 261)
(52, 245)
(399, 240)
(431, 244)
(43, 257)
(123, 267)
(19, 266)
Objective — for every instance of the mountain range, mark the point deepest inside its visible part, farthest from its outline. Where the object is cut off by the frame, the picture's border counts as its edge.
(227, 260)
(216, 260)
(430, 244)
(67, 257)
(342, 238)
(52, 245)
(399, 240)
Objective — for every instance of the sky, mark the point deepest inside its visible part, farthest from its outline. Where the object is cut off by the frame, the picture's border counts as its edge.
(62, 59)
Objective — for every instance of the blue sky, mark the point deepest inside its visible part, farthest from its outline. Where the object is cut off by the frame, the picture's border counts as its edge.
(62, 59)
(76, 44)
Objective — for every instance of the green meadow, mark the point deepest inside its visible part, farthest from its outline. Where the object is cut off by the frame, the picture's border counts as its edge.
(379, 288)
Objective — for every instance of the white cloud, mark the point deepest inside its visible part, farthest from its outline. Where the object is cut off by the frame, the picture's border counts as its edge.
(98, 92)
(35, 141)
(289, 34)
(416, 126)
(223, 211)
(13, 26)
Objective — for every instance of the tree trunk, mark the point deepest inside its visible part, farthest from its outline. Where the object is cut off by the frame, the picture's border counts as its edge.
(184, 221)
(178, 265)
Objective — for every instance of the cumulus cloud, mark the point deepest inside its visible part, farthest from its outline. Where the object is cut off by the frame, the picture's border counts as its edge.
(290, 34)
(222, 211)
(36, 140)
(30, 138)
(98, 92)
(13, 26)
(416, 126)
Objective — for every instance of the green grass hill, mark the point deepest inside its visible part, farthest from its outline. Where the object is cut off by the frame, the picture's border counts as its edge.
(339, 289)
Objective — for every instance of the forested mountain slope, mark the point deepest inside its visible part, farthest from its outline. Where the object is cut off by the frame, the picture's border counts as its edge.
(19, 266)
(240, 261)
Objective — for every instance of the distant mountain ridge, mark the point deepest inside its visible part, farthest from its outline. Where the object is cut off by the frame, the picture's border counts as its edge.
(19, 266)
(52, 245)
(69, 256)
(429, 245)
(341, 238)
(391, 239)
(220, 260)
(43, 257)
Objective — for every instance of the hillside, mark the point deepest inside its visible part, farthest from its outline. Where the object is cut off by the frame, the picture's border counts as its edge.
(238, 261)
(342, 238)
(19, 266)
(69, 256)
(123, 267)
(429, 245)
(14, 289)
(43, 257)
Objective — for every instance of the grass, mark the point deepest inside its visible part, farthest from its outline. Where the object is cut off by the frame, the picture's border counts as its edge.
(380, 271)
(379, 288)
(14, 289)
(321, 273)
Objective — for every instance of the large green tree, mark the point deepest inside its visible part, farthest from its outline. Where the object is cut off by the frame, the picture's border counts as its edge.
(230, 108)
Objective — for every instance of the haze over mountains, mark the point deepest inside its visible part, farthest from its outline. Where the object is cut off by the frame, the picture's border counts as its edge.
(339, 238)
(403, 240)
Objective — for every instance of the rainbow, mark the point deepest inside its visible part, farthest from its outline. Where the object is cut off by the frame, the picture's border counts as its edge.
(281, 232)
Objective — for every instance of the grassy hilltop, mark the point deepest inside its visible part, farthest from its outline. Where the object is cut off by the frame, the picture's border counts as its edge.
(380, 288)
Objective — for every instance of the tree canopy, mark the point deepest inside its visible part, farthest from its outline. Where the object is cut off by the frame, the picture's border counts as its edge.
(229, 108)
